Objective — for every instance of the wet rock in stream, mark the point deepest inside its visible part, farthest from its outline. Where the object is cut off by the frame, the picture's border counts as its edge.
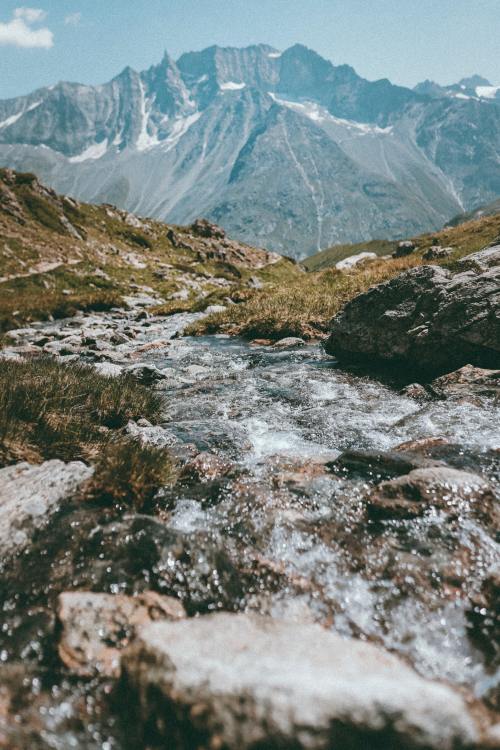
(96, 627)
(239, 681)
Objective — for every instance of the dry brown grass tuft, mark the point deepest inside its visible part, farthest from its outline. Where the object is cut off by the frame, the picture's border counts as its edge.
(52, 410)
(303, 307)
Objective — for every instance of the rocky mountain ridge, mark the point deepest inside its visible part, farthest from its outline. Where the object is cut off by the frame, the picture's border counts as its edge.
(284, 150)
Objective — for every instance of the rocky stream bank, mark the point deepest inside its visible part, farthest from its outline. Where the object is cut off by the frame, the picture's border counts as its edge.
(323, 573)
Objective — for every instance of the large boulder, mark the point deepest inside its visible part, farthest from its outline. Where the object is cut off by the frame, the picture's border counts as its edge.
(242, 681)
(427, 319)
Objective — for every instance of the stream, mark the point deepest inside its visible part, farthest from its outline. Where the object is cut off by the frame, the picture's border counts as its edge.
(276, 420)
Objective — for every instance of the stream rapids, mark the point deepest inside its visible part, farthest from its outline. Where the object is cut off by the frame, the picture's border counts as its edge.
(276, 419)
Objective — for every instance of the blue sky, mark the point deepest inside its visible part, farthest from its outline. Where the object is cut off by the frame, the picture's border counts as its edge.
(93, 40)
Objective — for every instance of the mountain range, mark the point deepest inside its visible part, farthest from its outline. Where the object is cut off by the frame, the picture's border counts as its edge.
(283, 149)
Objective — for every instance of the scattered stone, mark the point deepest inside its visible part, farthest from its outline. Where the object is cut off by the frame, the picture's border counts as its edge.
(255, 283)
(198, 371)
(437, 253)
(406, 247)
(440, 487)
(243, 681)
(426, 319)
(205, 228)
(31, 495)
(211, 309)
(422, 445)
(182, 294)
(96, 627)
(467, 382)
(379, 464)
(480, 261)
(146, 374)
(291, 342)
(108, 369)
(354, 260)
(151, 345)
(206, 467)
(417, 391)
(150, 434)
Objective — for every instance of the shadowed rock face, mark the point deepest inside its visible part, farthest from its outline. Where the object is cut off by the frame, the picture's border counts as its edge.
(426, 320)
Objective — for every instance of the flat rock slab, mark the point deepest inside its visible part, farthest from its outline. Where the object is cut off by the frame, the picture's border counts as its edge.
(31, 495)
(96, 627)
(244, 681)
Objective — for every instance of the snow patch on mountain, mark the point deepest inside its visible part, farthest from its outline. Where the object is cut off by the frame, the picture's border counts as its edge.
(95, 151)
(319, 114)
(145, 140)
(232, 86)
(179, 129)
(487, 92)
(14, 118)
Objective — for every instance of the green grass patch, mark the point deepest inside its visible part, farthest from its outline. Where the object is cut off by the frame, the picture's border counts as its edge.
(41, 210)
(54, 410)
(42, 297)
(70, 412)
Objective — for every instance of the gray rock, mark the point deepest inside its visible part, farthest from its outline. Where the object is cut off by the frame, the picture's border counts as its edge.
(379, 464)
(241, 681)
(96, 627)
(182, 294)
(437, 253)
(431, 487)
(480, 261)
(150, 434)
(108, 369)
(468, 382)
(406, 247)
(290, 342)
(31, 495)
(211, 309)
(354, 260)
(426, 319)
(144, 373)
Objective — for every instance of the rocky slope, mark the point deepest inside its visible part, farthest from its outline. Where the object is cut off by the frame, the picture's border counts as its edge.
(59, 256)
(284, 150)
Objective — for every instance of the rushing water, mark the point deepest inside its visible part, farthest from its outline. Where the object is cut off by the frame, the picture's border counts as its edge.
(278, 417)
(275, 414)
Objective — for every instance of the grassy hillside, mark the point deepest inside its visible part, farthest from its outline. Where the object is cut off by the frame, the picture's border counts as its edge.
(466, 237)
(492, 209)
(305, 305)
(58, 256)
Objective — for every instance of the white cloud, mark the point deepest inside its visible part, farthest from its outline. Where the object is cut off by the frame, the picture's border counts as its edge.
(31, 15)
(18, 32)
(73, 19)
